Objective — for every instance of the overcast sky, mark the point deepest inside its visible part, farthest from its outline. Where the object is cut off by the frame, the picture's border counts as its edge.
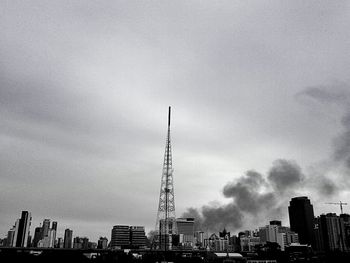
(84, 91)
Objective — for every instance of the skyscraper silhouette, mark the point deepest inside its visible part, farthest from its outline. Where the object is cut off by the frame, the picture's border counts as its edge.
(68, 235)
(301, 218)
(23, 229)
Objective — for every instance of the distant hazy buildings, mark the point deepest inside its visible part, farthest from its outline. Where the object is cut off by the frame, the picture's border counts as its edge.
(199, 239)
(249, 243)
(81, 243)
(277, 233)
(45, 236)
(301, 217)
(102, 243)
(11, 239)
(60, 243)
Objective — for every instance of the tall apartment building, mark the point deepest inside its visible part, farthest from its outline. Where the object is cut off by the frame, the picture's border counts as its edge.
(301, 217)
(330, 233)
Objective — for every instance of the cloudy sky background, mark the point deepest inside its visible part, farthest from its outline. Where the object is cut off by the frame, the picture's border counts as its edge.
(258, 86)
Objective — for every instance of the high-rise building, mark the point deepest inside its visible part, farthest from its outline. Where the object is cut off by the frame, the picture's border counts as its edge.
(37, 236)
(45, 227)
(185, 230)
(120, 237)
(330, 233)
(346, 220)
(16, 227)
(60, 243)
(10, 240)
(301, 217)
(68, 236)
(53, 234)
(137, 237)
(23, 229)
(54, 225)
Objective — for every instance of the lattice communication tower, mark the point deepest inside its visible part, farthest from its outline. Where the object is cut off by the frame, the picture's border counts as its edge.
(166, 218)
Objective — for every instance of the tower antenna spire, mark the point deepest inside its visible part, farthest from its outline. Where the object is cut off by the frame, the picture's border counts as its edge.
(169, 116)
(166, 219)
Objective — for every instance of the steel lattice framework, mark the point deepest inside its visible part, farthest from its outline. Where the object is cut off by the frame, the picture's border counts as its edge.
(166, 218)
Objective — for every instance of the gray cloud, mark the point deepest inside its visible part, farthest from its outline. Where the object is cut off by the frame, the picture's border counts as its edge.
(337, 93)
(327, 187)
(84, 88)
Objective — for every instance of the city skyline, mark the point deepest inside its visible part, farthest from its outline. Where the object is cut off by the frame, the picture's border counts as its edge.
(325, 232)
(84, 89)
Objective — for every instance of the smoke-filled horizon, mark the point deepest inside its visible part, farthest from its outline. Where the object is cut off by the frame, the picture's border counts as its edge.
(255, 199)
(260, 110)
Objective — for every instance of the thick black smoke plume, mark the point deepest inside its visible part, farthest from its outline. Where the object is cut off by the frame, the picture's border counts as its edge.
(255, 199)
(251, 197)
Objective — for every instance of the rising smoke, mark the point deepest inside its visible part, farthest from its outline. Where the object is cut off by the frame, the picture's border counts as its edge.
(251, 197)
(254, 198)
(337, 94)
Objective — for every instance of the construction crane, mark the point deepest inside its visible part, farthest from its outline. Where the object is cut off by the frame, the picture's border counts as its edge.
(341, 205)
